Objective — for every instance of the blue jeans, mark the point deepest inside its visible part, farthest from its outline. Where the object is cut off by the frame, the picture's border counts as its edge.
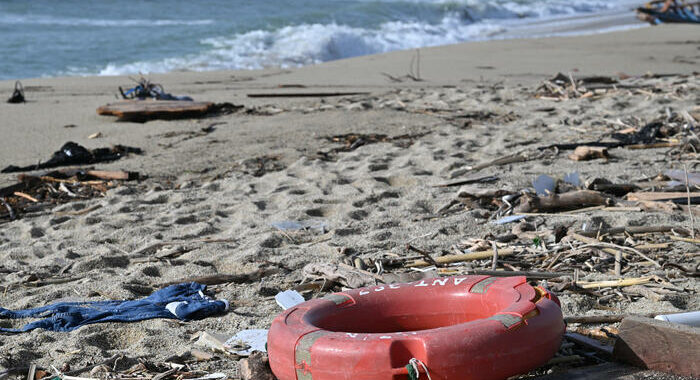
(181, 301)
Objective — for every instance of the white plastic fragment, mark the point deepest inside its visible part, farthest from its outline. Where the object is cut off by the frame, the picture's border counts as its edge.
(691, 318)
(211, 341)
(247, 341)
(509, 219)
(289, 298)
(212, 376)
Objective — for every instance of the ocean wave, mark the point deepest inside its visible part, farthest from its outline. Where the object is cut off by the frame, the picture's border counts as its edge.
(306, 44)
(9, 19)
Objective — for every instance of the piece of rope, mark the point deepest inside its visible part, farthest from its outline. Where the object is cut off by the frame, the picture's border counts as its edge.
(414, 372)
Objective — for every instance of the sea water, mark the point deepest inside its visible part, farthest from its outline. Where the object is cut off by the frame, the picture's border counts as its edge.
(112, 37)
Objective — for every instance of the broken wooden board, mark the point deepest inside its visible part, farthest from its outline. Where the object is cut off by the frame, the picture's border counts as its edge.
(659, 345)
(256, 367)
(144, 110)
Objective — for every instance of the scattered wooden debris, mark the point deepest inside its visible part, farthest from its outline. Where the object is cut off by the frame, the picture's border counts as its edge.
(352, 141)
(37, 193)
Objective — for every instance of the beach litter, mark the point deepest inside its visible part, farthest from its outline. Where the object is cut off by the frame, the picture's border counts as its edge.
(185, 302)
(145, 89)
(567, 239)
(245, 342)
(690, 318)
(141, 111)
(256, 367)
(125, 368)
(675, 346)
(352, 141)
(17, 94)
(320, 226)
(35, 193)
(662, 11)
(72, 154)
(288, 298)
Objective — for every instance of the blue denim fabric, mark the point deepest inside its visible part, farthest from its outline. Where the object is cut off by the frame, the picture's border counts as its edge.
(181, 301)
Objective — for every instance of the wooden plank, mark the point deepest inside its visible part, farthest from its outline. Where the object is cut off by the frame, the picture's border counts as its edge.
(142, 110)
(659, 345)
(304, 94)
(675, 197)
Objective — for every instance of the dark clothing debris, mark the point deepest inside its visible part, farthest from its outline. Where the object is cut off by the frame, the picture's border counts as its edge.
(75, 154)
(182, 301)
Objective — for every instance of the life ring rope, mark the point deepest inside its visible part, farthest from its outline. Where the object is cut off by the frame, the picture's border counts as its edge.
(414, 372)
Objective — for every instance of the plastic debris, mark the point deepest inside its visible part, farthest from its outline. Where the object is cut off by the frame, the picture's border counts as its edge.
(247, 341)
(573, 179)
(211, 341)
(691, 318)
(291, 225)
(544, 185)
(509, 219)
(289, 298)
(212, 376)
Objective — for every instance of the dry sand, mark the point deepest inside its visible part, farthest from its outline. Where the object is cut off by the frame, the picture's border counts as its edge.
(373, 199)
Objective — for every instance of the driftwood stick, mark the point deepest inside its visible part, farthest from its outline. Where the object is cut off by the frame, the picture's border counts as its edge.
(561, 202)
(304, 94)
(528, 274)
(467, 181)
(26, 196)
(611, 318)
(632, 230)
(426, 255)
(518, 157)
(614, 283)
(448, 259)
(494, 259)
(218, 279)
(110, 175)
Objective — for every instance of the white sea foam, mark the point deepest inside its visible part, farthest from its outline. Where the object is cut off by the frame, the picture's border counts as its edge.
(307, 44)
(298, 45)
(10, 19)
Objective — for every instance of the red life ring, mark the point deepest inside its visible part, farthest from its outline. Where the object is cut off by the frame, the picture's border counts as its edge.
(466, 327)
